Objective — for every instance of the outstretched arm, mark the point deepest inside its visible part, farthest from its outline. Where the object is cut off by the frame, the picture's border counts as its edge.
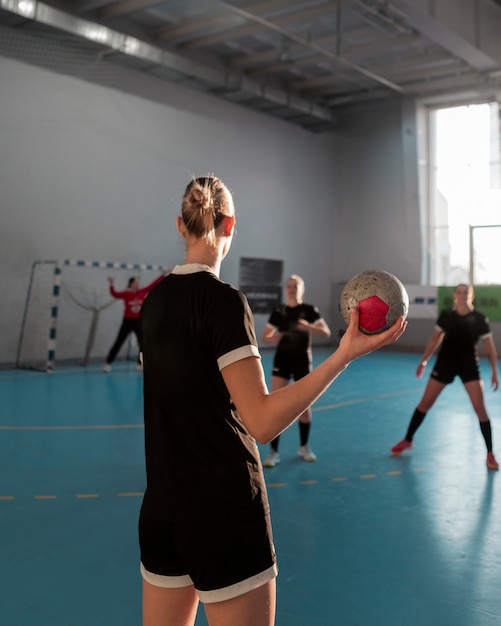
(265, 414)
(113, 291)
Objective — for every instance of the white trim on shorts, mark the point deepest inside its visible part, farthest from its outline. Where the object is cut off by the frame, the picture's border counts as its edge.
(167, 582)
(217, 595)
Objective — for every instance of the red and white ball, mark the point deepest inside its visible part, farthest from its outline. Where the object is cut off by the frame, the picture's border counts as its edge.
(381, 299)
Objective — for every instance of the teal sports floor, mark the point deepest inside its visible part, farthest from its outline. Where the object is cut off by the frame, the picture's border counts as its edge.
(363, 538)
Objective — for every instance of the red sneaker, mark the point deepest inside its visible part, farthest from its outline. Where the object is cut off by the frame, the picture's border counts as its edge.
(491, 461)
(399, 447)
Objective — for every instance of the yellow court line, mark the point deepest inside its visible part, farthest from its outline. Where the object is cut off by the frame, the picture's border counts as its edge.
(140, 494)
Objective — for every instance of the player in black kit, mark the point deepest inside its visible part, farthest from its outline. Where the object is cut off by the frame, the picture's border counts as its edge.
(204, 528)
(456, 336)
(291, 327)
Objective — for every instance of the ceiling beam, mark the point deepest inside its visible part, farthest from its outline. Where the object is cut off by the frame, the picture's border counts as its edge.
(308, 44)
(250, 60)
(243, 30)
(124, 7)
(468, 30)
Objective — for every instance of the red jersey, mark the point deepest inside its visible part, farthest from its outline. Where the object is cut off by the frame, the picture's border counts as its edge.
(133, 300)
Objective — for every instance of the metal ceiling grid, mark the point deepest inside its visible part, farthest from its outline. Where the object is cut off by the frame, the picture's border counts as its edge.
(301, 61)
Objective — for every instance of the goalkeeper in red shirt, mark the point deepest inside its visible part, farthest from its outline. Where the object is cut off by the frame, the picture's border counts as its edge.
(133, 298)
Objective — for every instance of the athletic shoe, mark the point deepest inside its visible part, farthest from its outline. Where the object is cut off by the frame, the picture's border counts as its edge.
(106, 368)
(491, 461)
(307, 453)
(399, 447)
(272, 459)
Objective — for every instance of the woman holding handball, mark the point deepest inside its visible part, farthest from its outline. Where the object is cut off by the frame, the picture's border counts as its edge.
(204, 529)
(456, 336)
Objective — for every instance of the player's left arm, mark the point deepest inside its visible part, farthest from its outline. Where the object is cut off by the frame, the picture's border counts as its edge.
(491, 351)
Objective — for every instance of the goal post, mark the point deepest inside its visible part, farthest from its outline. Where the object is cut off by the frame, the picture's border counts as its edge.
(69, 312)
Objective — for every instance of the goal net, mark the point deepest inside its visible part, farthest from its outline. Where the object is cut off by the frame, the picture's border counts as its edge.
(70, 316)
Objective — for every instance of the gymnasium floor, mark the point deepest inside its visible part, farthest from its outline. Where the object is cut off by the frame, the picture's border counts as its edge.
(363, 538)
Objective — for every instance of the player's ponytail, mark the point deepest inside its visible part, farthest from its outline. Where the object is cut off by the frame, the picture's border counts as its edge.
(204, 205)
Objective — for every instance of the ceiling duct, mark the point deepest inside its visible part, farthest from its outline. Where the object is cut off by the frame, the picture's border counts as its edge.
(109, 41)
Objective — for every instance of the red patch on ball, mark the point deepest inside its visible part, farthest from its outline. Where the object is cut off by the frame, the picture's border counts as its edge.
(373, 313)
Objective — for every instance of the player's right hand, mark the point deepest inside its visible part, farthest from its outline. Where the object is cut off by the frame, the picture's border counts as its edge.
(420, 370)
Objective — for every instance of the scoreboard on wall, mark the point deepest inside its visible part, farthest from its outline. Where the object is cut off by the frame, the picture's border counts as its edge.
(261, 282)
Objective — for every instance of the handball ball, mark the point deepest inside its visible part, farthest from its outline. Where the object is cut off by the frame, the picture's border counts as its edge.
(381, 299)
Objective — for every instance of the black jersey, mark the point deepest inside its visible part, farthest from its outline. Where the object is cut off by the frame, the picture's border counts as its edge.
(285, 319)
(200, 459)
(462, 333)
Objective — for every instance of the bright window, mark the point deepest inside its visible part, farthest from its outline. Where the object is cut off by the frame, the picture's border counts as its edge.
(464, 213)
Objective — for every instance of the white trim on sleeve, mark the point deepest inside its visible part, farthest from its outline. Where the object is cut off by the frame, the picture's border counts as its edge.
(237, 355)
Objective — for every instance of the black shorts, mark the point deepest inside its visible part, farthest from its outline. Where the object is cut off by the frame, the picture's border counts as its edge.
(445, 372)
(290, 365)
(221, 559)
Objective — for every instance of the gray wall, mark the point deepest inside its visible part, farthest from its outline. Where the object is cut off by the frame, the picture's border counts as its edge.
(92, 173)
(376, 178)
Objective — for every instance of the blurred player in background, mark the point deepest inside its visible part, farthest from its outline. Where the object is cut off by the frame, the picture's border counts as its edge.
(133, 298)
(291, 327)
(456, 336)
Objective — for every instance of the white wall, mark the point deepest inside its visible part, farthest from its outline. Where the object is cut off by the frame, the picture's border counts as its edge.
(92, 173)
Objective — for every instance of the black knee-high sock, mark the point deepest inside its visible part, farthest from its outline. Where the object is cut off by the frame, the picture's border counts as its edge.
(304, 432)
(274, 444)
(416, 421)
(485, 427)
